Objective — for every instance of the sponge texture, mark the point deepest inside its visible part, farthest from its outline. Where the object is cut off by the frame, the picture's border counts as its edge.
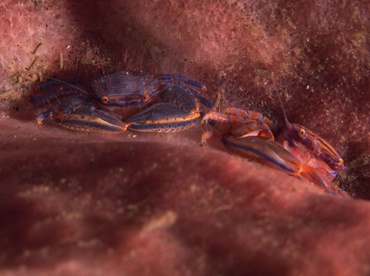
(315, 53)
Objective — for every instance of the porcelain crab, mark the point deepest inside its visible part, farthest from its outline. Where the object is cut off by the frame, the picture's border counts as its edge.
(124, 100)
(249, 134)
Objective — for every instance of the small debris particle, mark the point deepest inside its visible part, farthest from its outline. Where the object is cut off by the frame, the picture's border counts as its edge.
(61, 65)
(36, 48)
(161, 221)
(32, 64)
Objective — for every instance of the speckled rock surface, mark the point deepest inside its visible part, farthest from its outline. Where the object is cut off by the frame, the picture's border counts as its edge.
(133, 204)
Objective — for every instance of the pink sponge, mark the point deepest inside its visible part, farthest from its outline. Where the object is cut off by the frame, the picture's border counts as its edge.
(31, 30)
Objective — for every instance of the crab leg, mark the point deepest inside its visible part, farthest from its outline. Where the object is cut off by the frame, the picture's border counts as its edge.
(58, 91)
(179, 78)
(264, 151)
(267, 152)
(239, 122)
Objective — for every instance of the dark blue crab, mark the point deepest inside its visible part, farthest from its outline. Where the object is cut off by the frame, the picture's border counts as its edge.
(156, 103)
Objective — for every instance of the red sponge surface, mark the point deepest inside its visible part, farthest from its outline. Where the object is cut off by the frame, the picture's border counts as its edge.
(76, 203)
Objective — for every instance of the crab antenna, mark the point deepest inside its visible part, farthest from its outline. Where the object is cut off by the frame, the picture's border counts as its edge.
(282, 107)
(66, 83)
(358, 166)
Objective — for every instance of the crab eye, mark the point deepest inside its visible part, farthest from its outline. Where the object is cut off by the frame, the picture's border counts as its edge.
(104, 99)
(340, 162)
(145, 98)
(301, 132)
